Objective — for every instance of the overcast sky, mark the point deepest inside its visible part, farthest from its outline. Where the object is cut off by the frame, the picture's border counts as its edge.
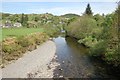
(58, 8)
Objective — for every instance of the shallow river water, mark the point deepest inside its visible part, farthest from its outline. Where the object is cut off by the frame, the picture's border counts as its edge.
(75, 62)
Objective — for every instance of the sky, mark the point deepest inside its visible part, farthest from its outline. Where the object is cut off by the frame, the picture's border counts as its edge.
(59, 0)
(57, 8)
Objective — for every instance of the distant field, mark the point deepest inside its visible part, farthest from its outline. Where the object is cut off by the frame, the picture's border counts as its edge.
(0, 34)
(7, 32)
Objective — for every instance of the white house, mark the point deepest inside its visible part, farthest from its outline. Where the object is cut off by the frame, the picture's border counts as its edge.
(17, 24)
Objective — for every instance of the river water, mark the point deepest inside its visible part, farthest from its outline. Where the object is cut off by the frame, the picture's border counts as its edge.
(75, 62)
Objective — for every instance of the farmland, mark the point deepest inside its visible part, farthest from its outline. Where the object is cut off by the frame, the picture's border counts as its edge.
(17, 32)
(0, 34)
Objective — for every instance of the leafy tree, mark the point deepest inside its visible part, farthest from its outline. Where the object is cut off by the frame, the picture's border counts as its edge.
(113, 50)
(88, 10)
(110, 46)
(83, 27)
(36, 19)
(26, 18)
(15, 18)
(99, 19)
(5, 15)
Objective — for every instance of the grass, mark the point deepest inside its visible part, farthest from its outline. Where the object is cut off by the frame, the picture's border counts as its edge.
(0, 34)
(13, 48)
(17, 32)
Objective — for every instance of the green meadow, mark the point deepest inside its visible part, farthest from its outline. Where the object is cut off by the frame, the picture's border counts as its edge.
(16, 32)
(0, 34)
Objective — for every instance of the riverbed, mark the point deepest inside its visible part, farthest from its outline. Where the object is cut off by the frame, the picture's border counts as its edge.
(61, 58)
(75, 62)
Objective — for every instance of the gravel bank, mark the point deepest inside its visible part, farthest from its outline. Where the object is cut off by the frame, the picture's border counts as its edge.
(31, 63)
(47, 71)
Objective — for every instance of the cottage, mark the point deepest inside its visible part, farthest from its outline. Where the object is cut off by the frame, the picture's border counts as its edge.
(49, 21)
(8, 25)
(17, 24)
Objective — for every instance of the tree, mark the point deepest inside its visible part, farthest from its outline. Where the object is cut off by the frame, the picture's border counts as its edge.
(84, 26)
(99, 19)
(36, 19)
(15, 18)
(88, 10)
(24, 19)
(5, 15)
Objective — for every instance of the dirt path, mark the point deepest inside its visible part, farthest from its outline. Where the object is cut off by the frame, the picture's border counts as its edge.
(31, 62)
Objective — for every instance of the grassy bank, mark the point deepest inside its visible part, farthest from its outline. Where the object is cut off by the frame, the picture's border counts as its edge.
(17, 41)
(13, 48)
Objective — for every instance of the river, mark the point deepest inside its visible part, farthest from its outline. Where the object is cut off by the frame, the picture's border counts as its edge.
(75, 62)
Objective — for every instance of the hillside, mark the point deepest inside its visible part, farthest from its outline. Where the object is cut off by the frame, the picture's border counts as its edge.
(70, 15)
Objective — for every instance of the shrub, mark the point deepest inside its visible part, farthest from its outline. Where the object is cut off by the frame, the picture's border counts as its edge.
(98, 49)
(40, 38)
(112, 55)
(88, 41)
(26, 41)
(83, 27)
(51, 29)
(13, 48)
(32, 39)
(9, 45)
(10, 49)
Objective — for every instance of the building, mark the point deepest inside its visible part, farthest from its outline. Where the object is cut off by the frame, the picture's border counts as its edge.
(8, 24)
(17, 24)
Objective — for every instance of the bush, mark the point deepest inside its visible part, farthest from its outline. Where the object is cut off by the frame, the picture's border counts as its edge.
(39, 38)
(32, 39)
(13, 48)
(9, 45)
(102, 37)
(51, 30)
(26, 41)
(88, 41)
(113, 57)
(10, 50)
(98, 49)
(83, 27)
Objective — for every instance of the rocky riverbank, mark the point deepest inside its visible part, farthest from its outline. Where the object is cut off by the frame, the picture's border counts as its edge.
(30, 64)
(47, 71)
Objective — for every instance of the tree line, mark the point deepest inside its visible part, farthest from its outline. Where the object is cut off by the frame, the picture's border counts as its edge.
(100, 33)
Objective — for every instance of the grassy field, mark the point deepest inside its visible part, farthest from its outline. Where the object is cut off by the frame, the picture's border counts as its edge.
(10, 32)
(0, 34)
